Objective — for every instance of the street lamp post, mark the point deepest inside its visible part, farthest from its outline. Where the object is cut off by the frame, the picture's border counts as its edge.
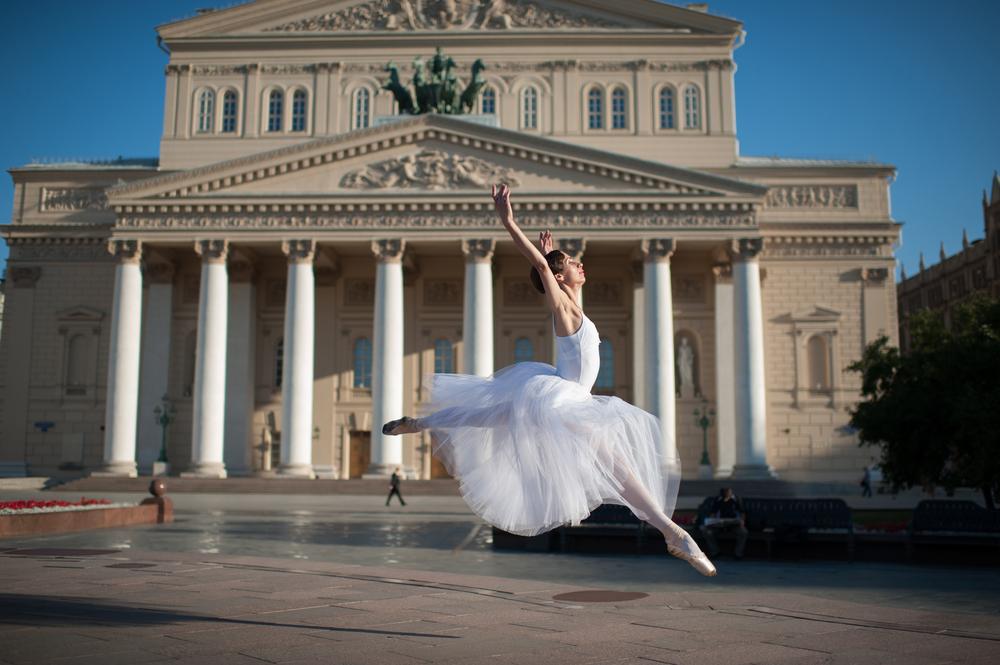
(703, 418)
(164, 414)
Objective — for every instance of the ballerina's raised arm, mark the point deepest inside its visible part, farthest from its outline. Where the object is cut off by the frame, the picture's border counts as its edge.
(560, 296)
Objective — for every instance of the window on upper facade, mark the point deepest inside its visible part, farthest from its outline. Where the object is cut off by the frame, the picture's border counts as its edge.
(275, 110)
(206, 111)
(488, 102)
(443, 357)
(529, 108)
(524, 350)
(692, 108)
(299, 111)
(667, 108)
(606, 374)
(619, 108)
(362, 108)
(229, 112)
(595, 109)
(818, 351)
(363, 363)
(279, 362)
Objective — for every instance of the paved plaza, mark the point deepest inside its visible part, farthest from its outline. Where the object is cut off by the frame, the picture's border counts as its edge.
(309, 579)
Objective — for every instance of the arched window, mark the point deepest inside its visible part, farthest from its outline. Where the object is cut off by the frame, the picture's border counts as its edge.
(78, 364)
(667, 108)
(206, 111)
(275, 110)
(229, 111)
(363, 363)
(692, 108)
(362, 108)
(299, 111)
(606, 374)
(524, 350)
(619, 108)
(488, 102)
(443, 357)
(595, 109)
(818, 351)
(529, 108)
(279, 362)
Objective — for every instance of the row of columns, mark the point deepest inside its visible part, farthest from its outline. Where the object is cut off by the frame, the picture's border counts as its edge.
(740, 366)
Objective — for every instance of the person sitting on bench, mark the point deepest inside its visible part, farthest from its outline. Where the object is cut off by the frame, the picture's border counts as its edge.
(726, 515)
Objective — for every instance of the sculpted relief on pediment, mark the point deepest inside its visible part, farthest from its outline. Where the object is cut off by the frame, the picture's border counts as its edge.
(432, 170)
(406, 15)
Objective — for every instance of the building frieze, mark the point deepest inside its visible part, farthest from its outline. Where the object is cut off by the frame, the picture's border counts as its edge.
(431, 170)
(69, 199)
(812, 196)
(421, 15)
(58, 249)
(375, 219)
(827, 246)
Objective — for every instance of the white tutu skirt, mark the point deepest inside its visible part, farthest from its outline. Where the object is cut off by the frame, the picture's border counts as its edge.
(533, 451)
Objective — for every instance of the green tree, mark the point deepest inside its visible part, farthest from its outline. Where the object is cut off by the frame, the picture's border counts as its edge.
(935, 412)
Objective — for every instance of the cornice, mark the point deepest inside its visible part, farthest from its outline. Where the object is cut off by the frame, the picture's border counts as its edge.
(633, 172)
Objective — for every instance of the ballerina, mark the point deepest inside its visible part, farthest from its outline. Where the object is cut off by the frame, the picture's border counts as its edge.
(531, 447)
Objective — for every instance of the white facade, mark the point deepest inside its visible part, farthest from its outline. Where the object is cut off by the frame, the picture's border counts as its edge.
(305, 267)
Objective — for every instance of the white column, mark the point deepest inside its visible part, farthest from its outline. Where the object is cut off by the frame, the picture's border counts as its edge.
(638, 337)
(297, 368)
(241, 335)
(210, 363)
(123, 361)
(751, 398)
(659, 390)
(387, 363)
(725, 408)
(477, 315)
(155, 367)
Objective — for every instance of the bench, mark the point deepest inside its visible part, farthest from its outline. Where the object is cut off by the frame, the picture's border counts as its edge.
(945, 522)
(606, 521)
(781, 520)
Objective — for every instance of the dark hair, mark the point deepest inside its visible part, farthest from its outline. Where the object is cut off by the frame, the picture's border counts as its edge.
(556, 260)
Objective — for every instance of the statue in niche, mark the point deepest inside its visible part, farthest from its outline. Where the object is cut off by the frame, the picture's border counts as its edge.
(687, 385)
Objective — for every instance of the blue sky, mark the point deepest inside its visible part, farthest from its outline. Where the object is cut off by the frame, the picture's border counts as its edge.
(909, 83)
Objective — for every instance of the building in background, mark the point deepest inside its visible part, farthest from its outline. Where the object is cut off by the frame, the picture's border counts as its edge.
(299, 257)
(975, 269)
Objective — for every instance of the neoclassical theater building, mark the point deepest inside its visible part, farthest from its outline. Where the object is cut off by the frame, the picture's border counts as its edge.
(300, 256)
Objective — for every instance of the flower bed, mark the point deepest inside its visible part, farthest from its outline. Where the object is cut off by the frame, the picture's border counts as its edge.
(32, 518)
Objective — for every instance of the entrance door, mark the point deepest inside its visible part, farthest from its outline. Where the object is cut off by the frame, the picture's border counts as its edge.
(361, 453)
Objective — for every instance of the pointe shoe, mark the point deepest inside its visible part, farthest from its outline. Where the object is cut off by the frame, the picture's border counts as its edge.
(404, 425)
(689, 551)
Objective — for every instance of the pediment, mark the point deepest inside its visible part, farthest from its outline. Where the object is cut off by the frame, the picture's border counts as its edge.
(79, 315)
(402, 16)
(815, 314)
(434, 155)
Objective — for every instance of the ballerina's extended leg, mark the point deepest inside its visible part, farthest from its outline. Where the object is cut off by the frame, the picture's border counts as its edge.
(456, 416)
(679, 543)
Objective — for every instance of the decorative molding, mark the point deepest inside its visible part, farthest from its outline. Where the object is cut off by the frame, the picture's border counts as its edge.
(218, 70)
(285, 69)
(723, 272)
(689, 288)
(125, 251)
(442, 292)
(874, 275)
(420, 15)
(747, 248)
(212, 251)
(389, 250)
(519, 292)
(695, 66)
(432, 170)
(446, 219)
(812, 196)
(657, 249)
(827, 246)
(68, 199)
(572, 247)
(53, 248)
(478, 250)
(607, 292)
(359, 292)
(299, 250)
(25, 277)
